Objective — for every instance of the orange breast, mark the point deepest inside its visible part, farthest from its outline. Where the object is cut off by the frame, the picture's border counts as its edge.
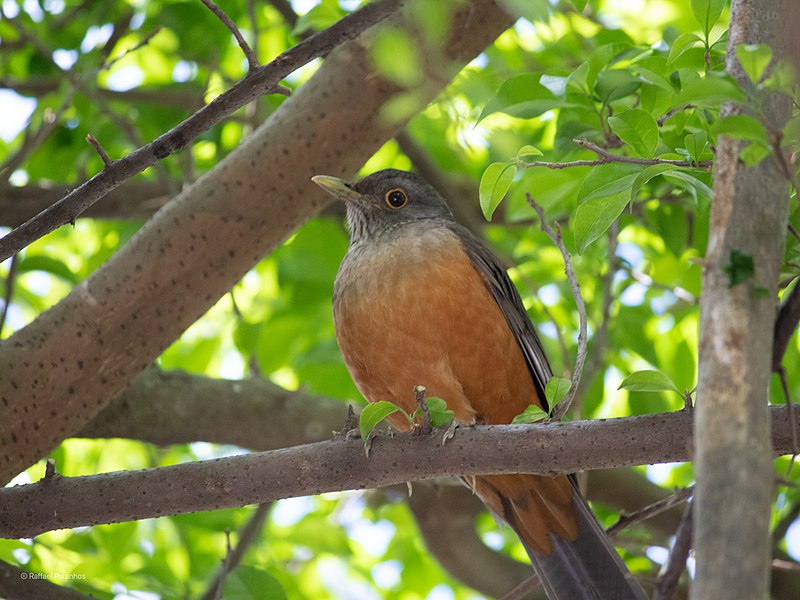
(416, 312)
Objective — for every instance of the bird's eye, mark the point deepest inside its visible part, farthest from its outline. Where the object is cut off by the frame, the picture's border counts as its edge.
(396, 198)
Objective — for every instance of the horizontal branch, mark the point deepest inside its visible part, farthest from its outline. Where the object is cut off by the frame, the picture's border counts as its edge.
(605, 157)
(256, 83)
(550, 448)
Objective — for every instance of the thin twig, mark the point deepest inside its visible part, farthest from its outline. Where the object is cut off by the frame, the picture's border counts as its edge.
(419, 397)
(671, 113)
(10, 279)
(605, 157)
(252, 60)
(233, 557)
(580, 359)
(263, 80)
(785, 323)
(651, 510)
(670, 573)
(146, 40)
(99, 149)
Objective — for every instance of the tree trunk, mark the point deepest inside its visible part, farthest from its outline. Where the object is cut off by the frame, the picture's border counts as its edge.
(733, 450)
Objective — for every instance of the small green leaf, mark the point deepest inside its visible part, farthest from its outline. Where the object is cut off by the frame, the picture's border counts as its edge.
(741, 127)
(372, 414)
(606, 180)
(637, 128)
(648, 174)
(556, 389)
(613, 84)
(41, 262)
(754, 59)
(711, 92)
(532, 414)
(648, 381)
(494, 184)
(707, 13)
(249, 583)
(579, 4)
(528, 152)
(695, 144)
(594, 217)
(740, 267)
(693, 182)
(438, 411)
(681, 44)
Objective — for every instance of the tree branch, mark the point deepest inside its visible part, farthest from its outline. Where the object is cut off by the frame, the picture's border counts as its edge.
(264, 80)
(252, 60)
(549, 448)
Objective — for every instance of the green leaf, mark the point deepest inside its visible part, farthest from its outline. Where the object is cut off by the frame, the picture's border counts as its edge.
(495, 182)
(648, 174)
(372, 414)
(741, 127)
(740, 267)
(523, 97)
(707, 13)
(579, 4)
(695, 144)
(754, 59)
(648, 381)
(637, 128)
(318, 18)
(438, 411)
(613, 84)
(710, 92)
(528, 152)
(532, 414)
(594, 217)
(606, 180)
(41, 262)
(682, 43)
(556, 389)
(754, 153)
(693, 182)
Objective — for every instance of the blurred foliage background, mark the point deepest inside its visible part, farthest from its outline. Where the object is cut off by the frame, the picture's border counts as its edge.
(589, 61)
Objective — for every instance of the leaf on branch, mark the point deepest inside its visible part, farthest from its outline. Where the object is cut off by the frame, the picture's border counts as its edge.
(440, 414)
(711, 92)
(648, 381)
(707, 13)
(523, 97)
(532, 414)
(637, 128)
(495, 182)
(373, 414)
(682, 43)
(555, 390)
(593, 218)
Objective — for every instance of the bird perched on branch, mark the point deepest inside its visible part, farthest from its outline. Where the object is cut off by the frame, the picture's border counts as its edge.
(418, 300)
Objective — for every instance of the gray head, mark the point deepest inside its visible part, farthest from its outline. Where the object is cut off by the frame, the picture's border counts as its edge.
(385, 201)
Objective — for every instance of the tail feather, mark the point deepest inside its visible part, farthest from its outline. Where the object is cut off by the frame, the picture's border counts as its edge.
(586, 568)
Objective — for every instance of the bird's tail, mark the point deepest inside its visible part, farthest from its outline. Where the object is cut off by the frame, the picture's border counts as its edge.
(570, 552)
(587, 567)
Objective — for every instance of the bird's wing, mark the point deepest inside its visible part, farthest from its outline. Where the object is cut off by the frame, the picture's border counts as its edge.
(507, 297)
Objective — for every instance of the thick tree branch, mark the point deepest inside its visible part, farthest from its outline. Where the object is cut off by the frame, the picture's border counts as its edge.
(748, 218)
(263, 80)
(341, 464)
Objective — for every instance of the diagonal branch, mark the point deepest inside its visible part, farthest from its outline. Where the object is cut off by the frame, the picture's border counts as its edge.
(264, 80)
(252, 60)
(546, 448)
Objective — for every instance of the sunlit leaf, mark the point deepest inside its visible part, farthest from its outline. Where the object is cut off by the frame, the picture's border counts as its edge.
(595, 216)
(532, 414)
(707, 12)
(682, 43)
(494, 184)
(648, 381)
(556, 389)
(372, 414)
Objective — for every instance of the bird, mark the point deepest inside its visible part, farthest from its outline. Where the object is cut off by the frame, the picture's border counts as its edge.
(418, 300)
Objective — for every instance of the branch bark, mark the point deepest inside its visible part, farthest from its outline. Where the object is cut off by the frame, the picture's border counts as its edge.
(61, 370)
(341, 464)
(748, 216)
